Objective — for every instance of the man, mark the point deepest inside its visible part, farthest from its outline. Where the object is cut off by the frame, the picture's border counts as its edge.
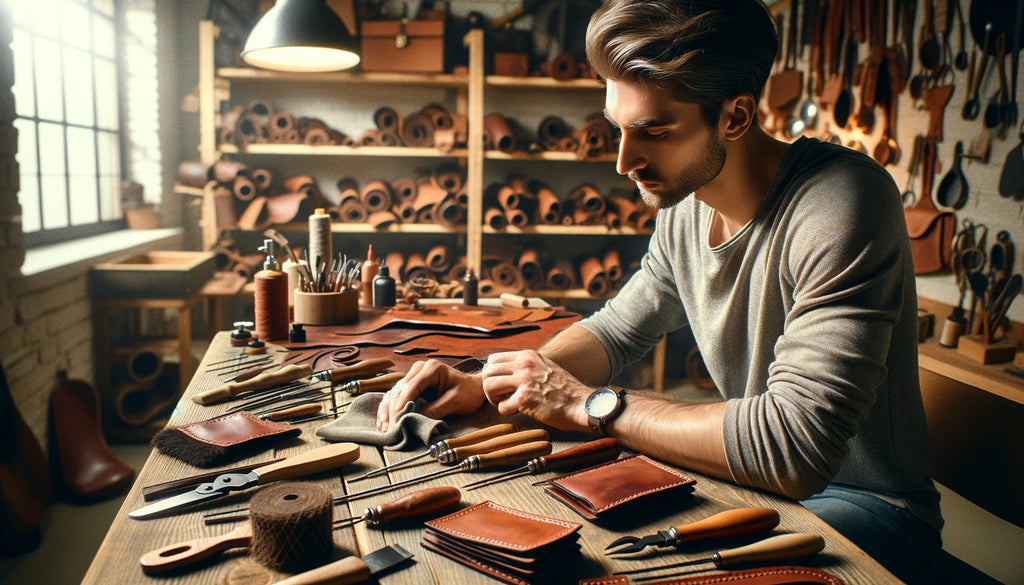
(789, 263)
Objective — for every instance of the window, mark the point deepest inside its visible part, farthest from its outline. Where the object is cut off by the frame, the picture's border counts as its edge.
(73, 124)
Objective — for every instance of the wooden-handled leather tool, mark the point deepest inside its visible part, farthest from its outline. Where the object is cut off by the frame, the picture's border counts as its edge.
(730, 523)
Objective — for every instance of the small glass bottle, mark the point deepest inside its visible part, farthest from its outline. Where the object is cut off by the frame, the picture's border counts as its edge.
(383, 288)
(469, 288)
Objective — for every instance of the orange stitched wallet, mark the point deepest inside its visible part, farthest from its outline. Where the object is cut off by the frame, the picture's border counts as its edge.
(510, 545)
(603, 488)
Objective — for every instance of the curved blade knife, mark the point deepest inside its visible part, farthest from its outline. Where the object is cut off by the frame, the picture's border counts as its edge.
(312, 461)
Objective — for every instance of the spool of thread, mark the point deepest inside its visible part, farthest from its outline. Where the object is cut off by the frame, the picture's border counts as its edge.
(320, 236)
(291, 268)
(271, 304)
(292, 525)
(953, 328)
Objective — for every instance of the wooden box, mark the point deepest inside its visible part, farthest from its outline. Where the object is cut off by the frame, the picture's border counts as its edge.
(414, 46)
(152, 275)
(512, 64)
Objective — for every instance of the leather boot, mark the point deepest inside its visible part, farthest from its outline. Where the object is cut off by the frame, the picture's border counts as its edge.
(89, 469)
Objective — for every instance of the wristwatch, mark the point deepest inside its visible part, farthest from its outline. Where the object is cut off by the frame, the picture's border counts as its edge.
(602, 406)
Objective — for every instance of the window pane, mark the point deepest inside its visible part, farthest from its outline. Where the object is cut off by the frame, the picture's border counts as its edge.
(78, 87)
(28, 196)
(104, 6)
(48, 80)
(81, 152)
(103, 36)
(106, 95)
(21, 12)
(84, 203)
(75, 25)
(24, 86)
(110, 197)
(43, 12)
(55, 206)
(109, 159)
(26, 147)
(51, 149)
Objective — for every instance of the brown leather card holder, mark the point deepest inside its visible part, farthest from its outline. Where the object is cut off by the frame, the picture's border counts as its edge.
(507, 544)
(601, 489)
(221, 440)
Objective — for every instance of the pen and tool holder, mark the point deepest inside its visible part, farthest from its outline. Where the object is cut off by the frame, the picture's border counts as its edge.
(327, 308)
(978, 349)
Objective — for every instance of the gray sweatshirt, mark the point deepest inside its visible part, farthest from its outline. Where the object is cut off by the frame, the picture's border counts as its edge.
(807, 322)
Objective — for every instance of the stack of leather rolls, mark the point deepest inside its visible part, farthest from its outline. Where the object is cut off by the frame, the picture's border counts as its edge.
(259, 123)
(435, 274)
(521, 202)
(431, 126)
(249, 198)
(592, 140)
(438, 196)
(539, 270)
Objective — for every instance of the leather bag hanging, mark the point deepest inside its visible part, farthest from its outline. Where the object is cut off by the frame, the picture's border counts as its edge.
(931, 230)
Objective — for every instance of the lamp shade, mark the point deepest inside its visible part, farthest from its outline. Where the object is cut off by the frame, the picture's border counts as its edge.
(301, 35)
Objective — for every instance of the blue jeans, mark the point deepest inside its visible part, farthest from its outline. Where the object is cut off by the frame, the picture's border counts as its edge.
(900, 541)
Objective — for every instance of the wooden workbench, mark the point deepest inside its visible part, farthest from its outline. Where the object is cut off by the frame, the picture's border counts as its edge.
(117, 558)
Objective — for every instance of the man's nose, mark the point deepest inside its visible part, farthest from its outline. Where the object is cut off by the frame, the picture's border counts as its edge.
(629, 158)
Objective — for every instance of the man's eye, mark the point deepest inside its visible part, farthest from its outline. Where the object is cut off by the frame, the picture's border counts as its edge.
(657, 132)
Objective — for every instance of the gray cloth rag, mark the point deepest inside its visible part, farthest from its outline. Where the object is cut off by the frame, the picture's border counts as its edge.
(359, 425)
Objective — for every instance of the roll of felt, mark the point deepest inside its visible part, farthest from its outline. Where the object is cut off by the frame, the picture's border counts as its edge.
(530, 267)
(281, 123)
(627, 209)
(564, 67)
(551, 130)
(382, 219)
(439, 258)
(226, 171)
(376, 196)
(448, 177)
(404, 189)
(396, 264)
(243, 188)
(549, 208)
(507, 277)
(350, 211)
(611, 219)
(439, 116)
(449, 211)
(262, 178)
(388, 119)
(595, 280)
(498, 133)
(561, 276)
(193, 173)
(292, 525)
(612, 265)
(495, 218)
(261, 111)
(418, 131)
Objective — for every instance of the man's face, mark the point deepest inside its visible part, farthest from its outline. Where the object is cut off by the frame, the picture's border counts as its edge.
(667, 148)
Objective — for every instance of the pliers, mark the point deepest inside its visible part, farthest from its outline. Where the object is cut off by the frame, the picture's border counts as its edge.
(738, 522)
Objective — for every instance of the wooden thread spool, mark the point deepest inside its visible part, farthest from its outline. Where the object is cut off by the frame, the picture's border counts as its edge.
(292, 525)
(320, 238)
(271, 304)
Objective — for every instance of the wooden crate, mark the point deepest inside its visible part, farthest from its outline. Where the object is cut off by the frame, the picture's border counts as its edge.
(155, 275)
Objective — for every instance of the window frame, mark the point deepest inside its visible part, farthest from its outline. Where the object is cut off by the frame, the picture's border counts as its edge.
(71, 231)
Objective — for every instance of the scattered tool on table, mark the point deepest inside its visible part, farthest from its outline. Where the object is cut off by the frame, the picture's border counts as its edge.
(293, 413)
(313, 461)
(418, 504)
(457, 454)
(239, 364)
(383, 382)
(443, 445)
(775, 548)
(260, 382)
(189, 552)
(169, 488)
(508, 457)
(578, 456)
(353, 569)
(308, 387)
(738, 522)
(246, 374)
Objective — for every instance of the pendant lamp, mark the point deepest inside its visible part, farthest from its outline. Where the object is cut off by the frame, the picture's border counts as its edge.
(301, 35)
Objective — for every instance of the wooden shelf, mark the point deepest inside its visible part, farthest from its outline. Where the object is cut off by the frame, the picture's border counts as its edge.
(538, 82)
(948, 362)
(439, 79)
(365, 228)
(567, 230)
(553, 156)
(328, 150)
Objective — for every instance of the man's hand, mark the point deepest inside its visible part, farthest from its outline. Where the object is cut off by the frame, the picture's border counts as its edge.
(457, 392)
(525, 382)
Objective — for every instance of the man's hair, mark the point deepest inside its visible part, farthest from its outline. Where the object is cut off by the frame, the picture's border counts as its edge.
(704, 51)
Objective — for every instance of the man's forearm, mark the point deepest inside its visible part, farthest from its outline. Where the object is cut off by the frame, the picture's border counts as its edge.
(580, 353)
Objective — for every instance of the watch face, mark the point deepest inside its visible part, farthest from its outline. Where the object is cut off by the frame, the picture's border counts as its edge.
(602, 402)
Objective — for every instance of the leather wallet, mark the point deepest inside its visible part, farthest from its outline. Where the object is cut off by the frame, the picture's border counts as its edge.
(603, 488)
(761, 576)
(223, 439)
(507, 544)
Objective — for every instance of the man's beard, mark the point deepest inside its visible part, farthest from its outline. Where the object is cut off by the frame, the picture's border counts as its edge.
(699, 173)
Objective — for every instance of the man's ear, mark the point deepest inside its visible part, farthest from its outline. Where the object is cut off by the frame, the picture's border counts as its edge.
(738, 114)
